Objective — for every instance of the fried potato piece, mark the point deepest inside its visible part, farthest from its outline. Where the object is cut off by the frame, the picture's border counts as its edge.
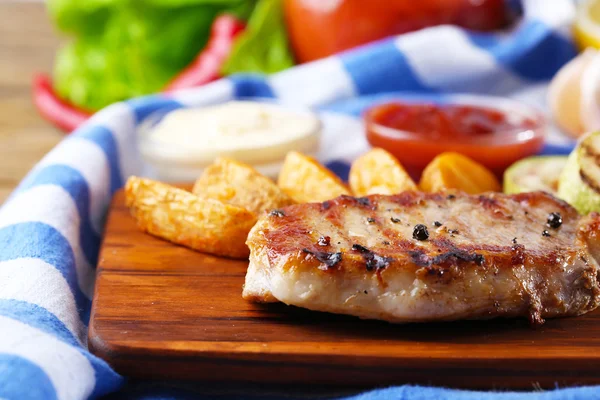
(455, 171)
(181, 217)
(239, 184)
(305, 180)
(378, 172)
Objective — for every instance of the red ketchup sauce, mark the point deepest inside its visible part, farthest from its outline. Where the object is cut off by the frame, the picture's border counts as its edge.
(416, 133)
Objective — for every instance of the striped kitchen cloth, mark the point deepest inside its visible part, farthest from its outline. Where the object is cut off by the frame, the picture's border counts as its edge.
(51, 226)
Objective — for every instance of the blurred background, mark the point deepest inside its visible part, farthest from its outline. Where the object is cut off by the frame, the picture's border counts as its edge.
(28, 43)
(62, 60)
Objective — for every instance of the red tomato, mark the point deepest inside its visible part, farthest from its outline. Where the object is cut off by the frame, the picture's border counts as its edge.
(318, 28)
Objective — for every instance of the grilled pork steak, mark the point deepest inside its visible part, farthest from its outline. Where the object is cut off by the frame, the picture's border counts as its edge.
(428, 257)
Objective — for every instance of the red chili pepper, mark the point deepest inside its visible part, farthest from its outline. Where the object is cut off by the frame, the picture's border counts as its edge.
(207, 65)
(60, 113)
(205, 68)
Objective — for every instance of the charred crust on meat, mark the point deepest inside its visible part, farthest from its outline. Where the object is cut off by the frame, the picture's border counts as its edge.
(360, 201)
(488, 202)
(411, 199)
(324, 241)
(277, 213)
(420, 258)
(372, 261)
(343, 200)
(359, 248)
(330, 260)
(375, 261)
(452, 257)
(364, 201)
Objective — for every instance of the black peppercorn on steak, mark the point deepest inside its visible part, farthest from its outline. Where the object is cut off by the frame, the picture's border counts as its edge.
(416, 257)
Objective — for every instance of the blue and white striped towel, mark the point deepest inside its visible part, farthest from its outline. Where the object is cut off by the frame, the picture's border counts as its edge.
(50, 228)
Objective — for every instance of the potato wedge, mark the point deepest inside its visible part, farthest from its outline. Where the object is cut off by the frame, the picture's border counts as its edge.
(181, 217)
(305, 180)
(378, 172)
(239, 184)
(456, 171)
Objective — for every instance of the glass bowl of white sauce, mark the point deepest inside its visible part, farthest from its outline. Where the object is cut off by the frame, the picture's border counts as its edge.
(177, 145)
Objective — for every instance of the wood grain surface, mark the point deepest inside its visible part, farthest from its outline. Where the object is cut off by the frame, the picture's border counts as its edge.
(27, 46)
(163, 311)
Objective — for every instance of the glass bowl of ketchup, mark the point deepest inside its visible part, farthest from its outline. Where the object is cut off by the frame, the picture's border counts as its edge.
(493, 131)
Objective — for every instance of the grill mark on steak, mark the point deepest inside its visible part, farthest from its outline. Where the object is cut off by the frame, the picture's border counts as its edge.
(412, 199)
(334, 215)
(364, 202)
(328, 259)
(488, 202)
(373, 261)
(440, 248)
(452, 257)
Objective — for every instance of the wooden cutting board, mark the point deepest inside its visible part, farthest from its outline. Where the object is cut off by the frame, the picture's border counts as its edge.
(163, 311)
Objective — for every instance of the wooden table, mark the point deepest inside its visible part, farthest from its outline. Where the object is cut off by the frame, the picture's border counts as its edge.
(27, 45)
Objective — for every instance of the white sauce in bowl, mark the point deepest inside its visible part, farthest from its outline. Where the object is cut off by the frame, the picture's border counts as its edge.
(257, 133)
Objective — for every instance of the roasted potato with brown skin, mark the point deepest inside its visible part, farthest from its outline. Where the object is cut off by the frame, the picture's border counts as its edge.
(456, 171)
(239, 184)
(181, 217)
(378, 172)
(305, 180)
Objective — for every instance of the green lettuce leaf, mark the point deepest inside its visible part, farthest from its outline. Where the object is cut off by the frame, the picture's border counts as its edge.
(127, 48)
(89, 16)
(263, 46)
